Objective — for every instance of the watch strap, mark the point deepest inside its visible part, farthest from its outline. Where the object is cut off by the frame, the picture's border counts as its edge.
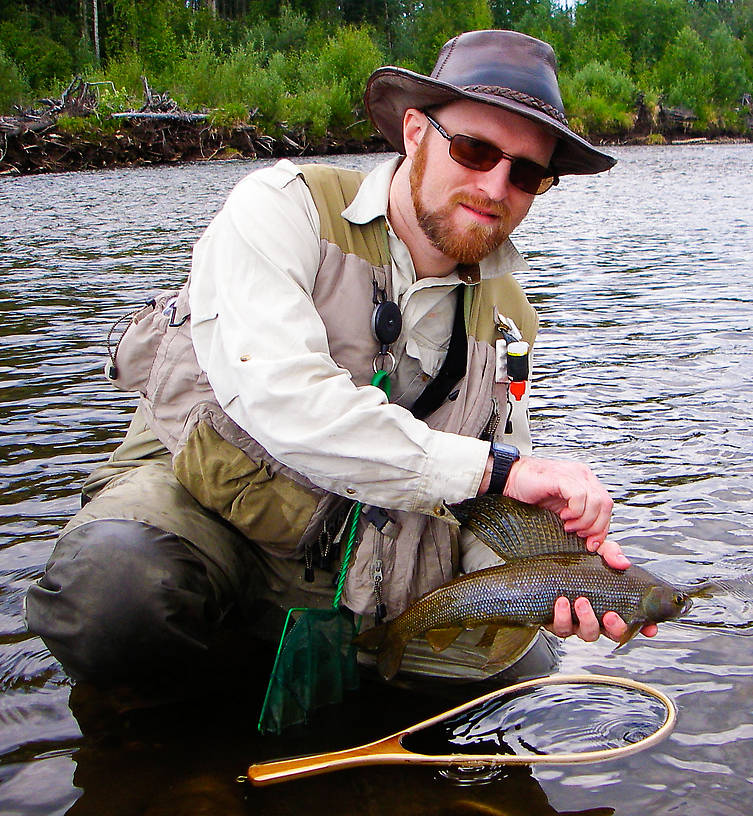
(503, 458)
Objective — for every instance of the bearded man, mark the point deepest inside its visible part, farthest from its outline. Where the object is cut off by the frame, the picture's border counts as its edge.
(261, 414)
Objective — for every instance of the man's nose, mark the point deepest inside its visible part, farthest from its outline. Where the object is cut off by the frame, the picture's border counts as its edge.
(495, 183)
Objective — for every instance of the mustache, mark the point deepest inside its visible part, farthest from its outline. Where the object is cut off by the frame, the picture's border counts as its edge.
(487, 205)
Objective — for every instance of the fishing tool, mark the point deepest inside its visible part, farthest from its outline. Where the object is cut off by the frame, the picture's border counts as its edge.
(386, 325)
(316, 660)
(446, 739)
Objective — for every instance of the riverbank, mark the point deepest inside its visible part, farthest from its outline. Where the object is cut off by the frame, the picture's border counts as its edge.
(149, 142)
(131, 143)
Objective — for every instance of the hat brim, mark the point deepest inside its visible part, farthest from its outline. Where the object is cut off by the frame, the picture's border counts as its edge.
(390, 91)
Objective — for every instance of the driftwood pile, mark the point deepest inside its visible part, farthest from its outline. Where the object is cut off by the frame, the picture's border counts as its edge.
(159, 132)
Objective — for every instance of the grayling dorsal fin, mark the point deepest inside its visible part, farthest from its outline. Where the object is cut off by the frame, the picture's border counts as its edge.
(515, 530)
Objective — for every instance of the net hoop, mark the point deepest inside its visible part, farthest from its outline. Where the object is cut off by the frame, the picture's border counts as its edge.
(564, 758)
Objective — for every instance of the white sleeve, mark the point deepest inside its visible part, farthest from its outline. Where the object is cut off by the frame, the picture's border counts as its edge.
(264, 348)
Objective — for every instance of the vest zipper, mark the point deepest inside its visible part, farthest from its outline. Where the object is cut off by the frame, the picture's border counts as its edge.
(493, 423)
(377, 576)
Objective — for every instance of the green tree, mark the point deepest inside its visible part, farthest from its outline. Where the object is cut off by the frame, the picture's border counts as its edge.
(730, 66)
(44, 61)
(439, 20)
(685, 71)
(510, 13)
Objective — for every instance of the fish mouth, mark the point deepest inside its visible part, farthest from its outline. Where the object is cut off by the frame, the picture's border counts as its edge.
(687, 606)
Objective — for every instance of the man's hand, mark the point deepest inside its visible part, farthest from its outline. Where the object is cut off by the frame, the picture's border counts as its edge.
(568, 488)
(588, 627)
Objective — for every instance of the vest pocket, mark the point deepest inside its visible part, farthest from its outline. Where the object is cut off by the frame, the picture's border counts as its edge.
(266, 507)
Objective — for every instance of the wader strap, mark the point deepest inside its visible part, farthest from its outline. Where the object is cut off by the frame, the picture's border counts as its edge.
(453, 367)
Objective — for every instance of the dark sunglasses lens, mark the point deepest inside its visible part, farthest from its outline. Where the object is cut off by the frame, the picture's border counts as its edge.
(530, 177)
(478, 155)
(473, 153)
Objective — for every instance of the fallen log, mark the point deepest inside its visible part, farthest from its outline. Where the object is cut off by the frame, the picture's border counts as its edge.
(178, 116)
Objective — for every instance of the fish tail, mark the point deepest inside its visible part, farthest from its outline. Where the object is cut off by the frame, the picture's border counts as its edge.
(385, 640)
(390, 654)
(371, 639)
(740, 586)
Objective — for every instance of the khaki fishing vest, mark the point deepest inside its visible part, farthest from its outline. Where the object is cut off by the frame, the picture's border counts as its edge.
(230, 473)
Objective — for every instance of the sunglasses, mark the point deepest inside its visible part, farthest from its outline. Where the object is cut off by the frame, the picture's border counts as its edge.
(476, 154)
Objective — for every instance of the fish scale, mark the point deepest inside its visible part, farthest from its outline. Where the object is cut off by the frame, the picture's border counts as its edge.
(524, 592)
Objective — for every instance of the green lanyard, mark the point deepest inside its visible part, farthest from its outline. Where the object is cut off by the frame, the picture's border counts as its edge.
(381, 379)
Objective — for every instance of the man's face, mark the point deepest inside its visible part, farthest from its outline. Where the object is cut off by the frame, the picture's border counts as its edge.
(466, 214)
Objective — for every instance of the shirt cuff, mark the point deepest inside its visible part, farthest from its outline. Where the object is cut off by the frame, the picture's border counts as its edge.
(455, 468)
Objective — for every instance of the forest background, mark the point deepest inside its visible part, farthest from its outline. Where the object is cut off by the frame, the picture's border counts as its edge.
(301, 66)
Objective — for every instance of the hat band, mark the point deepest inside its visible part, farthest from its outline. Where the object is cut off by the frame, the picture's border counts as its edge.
(519, 96)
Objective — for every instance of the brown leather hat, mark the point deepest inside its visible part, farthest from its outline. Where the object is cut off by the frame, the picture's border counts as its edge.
(502, 68)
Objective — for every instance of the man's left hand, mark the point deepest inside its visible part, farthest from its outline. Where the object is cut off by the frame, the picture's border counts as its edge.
(588, 627)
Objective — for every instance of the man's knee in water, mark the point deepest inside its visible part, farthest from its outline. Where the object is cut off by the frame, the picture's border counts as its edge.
(119, 598)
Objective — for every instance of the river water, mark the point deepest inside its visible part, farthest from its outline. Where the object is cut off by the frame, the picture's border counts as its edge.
(642, 278)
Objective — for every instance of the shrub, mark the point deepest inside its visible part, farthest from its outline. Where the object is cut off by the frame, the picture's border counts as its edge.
(112, 100)
(599, 97)
(349, 56)
(229, 115)
(14, 89)
(194, 79)
(77, 125)
(125, 72)
(655, 139)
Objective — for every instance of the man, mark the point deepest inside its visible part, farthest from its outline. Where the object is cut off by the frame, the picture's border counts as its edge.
(260, 419)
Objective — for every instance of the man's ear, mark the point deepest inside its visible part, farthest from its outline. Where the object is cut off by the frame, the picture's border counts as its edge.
(414, 127)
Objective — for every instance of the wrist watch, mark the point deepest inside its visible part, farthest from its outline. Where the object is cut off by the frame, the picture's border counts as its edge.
(504, 457)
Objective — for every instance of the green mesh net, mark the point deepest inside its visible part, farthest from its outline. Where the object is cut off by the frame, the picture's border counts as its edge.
(316, 664)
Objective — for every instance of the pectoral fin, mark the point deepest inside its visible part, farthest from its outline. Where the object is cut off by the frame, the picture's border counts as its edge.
(510, 643)
(630, 633)
(440, 639)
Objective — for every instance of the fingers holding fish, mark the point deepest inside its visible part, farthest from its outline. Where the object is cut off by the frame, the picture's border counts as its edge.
(570, 489)
(615, 627)
(581, 621)
(612, 554)
(584, 624)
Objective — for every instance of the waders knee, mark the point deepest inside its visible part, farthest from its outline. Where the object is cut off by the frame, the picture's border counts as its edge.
(122, 599)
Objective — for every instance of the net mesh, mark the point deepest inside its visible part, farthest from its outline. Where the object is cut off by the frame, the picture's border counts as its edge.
(316, 664)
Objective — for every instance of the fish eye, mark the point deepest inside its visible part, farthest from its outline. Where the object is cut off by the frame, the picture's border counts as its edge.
(679, 599)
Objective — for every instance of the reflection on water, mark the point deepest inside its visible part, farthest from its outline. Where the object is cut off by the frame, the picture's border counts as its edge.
(642, 280)
(570, 718)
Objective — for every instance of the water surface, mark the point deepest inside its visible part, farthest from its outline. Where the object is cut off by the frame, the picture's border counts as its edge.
(642, 278)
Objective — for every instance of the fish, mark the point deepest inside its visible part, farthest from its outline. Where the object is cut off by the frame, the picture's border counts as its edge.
(513, 600)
